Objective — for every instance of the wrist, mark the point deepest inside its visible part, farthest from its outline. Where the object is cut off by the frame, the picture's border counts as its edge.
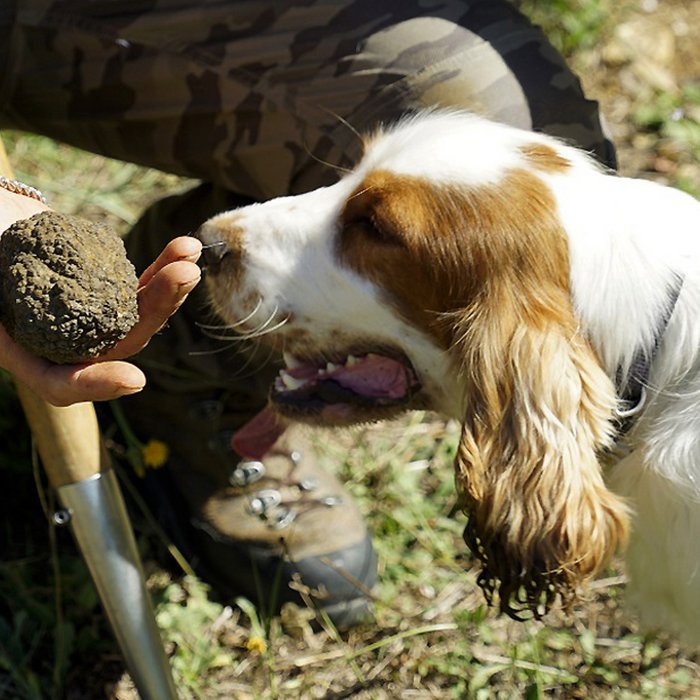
(15, 207)
(17, 187)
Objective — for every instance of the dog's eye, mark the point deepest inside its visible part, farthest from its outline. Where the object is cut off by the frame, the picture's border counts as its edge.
(362, 223)
(368, 226)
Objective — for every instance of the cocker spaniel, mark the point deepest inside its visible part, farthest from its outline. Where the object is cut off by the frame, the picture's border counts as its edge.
(503, 278)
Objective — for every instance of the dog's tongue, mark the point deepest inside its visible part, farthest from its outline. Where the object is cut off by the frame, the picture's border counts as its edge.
(258, 435)
(373, 376)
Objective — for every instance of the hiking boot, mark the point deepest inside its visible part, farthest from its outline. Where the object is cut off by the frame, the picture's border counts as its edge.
(274, 528)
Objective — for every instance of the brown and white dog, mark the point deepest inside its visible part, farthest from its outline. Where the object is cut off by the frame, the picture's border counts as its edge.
(503, 278)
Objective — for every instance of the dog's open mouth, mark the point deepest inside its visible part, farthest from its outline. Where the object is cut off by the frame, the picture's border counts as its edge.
(359, 388)
(340, 390)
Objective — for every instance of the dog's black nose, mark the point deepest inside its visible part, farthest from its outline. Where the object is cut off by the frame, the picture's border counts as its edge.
(214, 247)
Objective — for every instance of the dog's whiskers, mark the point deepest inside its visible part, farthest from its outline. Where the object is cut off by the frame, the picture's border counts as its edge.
(266, 331)
(235, 324)
(255, 367)
(332, 166)
(206, 246)
(249, 357)
(252, 333)
(263, 329)
(213, 351)
(361, 192)
(345, 123)
(237, 338)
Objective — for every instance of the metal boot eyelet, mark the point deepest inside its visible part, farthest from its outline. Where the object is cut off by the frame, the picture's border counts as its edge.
(263, 501)
(331, 501)
(282, 518)
(308, 484)
(247, 473)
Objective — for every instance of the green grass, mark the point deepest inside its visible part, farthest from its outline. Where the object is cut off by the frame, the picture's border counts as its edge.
(431, 631)
(671, 123)
(571, 25)
(431, 635)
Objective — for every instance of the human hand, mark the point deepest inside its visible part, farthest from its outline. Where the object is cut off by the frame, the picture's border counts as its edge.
(15, 207)
(162, 288)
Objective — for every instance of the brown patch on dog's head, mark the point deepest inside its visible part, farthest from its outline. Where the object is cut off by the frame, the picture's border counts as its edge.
(545, 158)
(388, 226)
(434, 249)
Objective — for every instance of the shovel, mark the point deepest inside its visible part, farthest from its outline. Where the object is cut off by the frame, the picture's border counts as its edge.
(71, 450)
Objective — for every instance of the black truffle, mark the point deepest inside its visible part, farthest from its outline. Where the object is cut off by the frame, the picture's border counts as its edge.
(67, 289)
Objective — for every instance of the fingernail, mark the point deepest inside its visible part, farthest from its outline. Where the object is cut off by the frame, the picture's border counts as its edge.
(132, 389)
(193, 257)
(187, 287)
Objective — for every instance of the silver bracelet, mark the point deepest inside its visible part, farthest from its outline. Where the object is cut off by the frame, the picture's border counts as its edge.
(20, 188)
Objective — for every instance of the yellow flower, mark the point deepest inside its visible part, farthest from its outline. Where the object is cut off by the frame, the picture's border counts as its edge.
(155, 454)
(257, 644)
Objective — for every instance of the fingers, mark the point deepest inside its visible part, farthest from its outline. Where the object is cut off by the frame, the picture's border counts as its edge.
(182, 248)
(163, 287)
(16, 207)
(62, 385)
(158, 300)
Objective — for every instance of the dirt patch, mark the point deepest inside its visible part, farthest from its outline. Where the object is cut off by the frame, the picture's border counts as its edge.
(645, 74)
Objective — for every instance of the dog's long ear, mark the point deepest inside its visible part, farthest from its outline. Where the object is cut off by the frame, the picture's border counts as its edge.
(538, 409)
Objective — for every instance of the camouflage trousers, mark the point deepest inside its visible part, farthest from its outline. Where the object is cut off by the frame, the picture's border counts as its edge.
(255, 95)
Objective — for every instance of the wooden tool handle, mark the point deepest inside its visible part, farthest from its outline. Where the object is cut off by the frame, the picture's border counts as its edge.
(68, 439)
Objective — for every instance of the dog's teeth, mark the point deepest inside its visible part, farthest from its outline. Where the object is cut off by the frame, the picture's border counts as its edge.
(290, 360)
(352, 360)
(290, 382)
(330, 367)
